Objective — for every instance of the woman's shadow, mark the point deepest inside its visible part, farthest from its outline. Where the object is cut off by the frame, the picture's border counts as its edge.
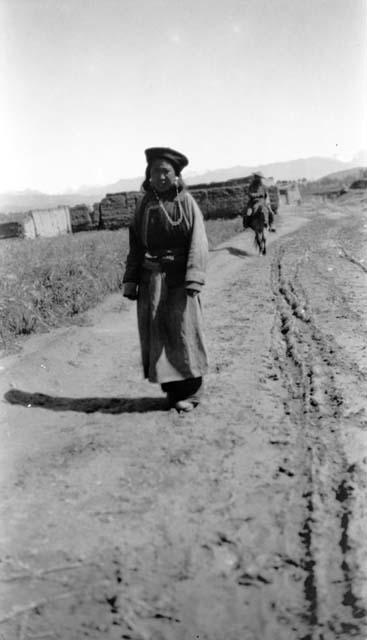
(86, 405)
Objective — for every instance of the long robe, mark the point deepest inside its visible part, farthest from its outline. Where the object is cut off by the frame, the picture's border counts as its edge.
(164, 260)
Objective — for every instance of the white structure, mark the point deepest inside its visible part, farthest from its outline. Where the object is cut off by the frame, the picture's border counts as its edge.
(47, 223)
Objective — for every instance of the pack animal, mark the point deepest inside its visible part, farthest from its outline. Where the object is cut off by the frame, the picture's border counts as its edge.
(256, 220)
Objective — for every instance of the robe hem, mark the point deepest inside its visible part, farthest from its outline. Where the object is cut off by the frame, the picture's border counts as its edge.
(177, 377)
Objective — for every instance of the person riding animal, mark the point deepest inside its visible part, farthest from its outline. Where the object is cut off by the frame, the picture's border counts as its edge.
(259, 197)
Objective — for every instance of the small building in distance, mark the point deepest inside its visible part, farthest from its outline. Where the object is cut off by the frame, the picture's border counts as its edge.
(47, 223)
(44, 223)
(289, 192)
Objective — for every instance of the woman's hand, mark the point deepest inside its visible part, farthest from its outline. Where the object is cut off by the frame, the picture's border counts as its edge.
(192, 292)
(192, 289)
(130, 291)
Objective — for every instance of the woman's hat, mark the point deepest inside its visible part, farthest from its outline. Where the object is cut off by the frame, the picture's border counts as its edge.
(177, 159)
(259, 174)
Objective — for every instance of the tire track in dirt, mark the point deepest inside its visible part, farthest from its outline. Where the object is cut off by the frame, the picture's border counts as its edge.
(305, 359)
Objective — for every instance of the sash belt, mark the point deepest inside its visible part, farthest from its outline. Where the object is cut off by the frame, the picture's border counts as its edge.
(165, 260)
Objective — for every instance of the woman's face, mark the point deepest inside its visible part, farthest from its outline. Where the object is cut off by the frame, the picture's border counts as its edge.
(162, 175)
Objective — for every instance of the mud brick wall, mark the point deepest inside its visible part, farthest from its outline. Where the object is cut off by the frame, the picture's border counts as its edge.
(228, 199)
(234, 182)
(290, 193)
(11, 230)
(220, 202)
(117, 209)
(83, 219)
(216, 200)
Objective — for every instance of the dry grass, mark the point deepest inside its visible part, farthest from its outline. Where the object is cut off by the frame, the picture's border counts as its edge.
(45, 283)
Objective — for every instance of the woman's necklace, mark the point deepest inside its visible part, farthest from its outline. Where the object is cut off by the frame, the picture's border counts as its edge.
(173, 223)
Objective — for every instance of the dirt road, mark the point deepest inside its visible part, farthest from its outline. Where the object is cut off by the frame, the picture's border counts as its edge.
(244, 520)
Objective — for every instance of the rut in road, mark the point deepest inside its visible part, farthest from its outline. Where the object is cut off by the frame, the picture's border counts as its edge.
(305, 359)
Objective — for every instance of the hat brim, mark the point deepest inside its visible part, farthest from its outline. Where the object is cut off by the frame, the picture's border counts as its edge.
(178, 160)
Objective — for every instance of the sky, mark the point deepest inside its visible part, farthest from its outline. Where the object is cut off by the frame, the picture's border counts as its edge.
(87, 85)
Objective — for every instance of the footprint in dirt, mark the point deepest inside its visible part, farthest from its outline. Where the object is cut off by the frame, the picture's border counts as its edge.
(225, 556)
(228, 560)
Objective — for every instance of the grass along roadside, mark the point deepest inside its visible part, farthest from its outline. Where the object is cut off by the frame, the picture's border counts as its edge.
(45, 283)
(50, 282)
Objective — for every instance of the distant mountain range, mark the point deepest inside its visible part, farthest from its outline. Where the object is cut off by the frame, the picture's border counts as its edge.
(309, 168)
(346, 176)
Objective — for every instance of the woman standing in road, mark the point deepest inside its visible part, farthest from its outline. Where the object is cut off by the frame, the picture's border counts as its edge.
(165, 271)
